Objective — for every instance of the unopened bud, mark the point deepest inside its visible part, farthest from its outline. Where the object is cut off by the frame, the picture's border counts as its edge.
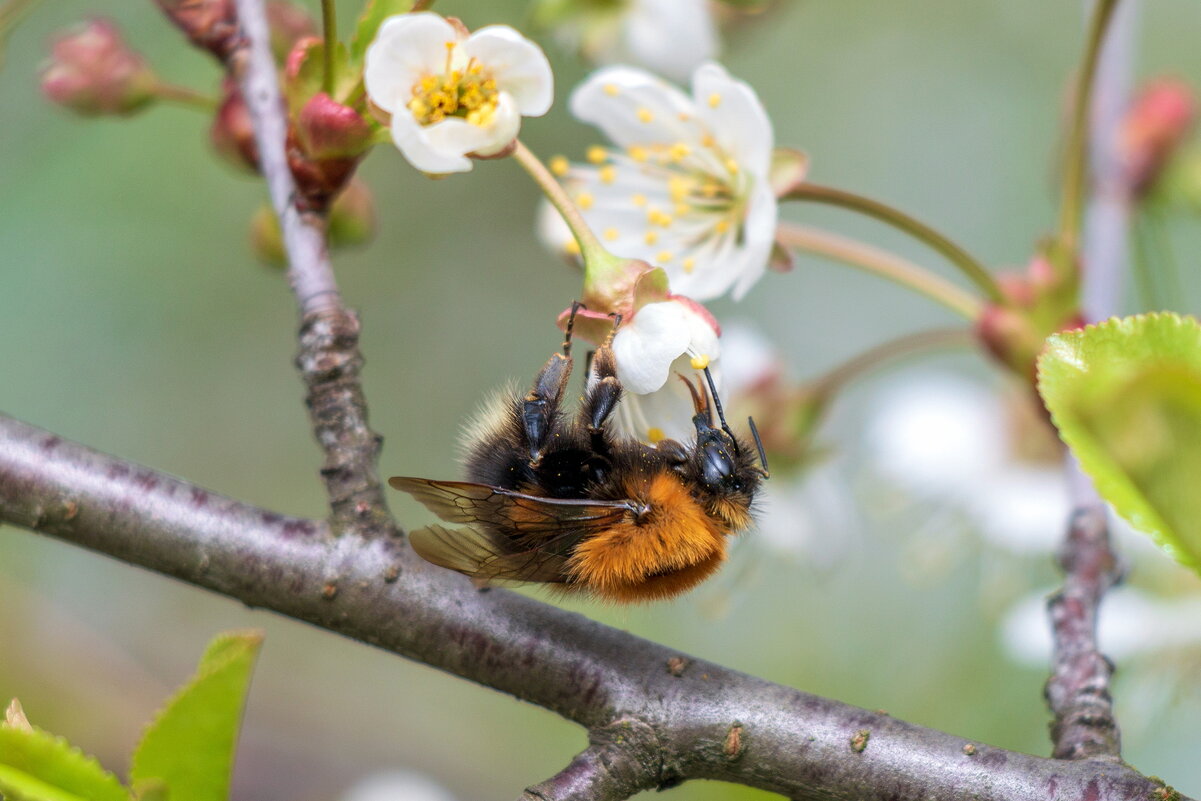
(92, 71)
(328, 129)
(209, 24)
(289, 24)
(1154, 128)
(232, 133)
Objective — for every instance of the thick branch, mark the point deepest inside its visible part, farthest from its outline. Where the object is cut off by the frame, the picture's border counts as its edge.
(707, 721)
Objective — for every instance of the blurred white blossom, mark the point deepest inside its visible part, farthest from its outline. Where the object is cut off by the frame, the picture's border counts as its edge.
(670, 37)
(451, 94)
(397, 785)
(685, 184)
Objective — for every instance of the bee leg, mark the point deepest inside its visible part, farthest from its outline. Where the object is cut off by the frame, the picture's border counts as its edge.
(603, 394)
(575, 307)
(540, 407)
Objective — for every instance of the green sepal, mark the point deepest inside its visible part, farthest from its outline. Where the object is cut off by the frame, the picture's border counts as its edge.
(788, 169)
(189, 748)
(374, 14)
(38, 766)
(309, 77)
(1126, 398)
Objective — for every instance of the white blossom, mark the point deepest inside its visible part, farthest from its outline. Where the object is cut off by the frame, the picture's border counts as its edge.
(685, 184)
(662, 340)
(450, 94)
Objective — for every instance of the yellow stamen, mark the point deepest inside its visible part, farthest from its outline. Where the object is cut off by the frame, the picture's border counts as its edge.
(637, 153)
(572, 247)
(655, 435)
(732, 165)
(714, 100)
(645, 115)
(584, 200)
(651, 237)
(597, 154)
(721, 226)
(682, 209)
(559, 165)
(608, 174)
(699, 362)
(689, 264)
(611, 89)
(638, 200)
(664, 256)
(708, 141)
(612, 234)
(679, 151)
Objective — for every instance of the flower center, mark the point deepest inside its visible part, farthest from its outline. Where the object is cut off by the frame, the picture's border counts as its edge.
(469, 93)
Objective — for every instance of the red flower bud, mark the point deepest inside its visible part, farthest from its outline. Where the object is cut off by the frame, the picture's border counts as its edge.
(328, 129)
(1156, 124)
(209, 24)
(92, 71)
(232, 133)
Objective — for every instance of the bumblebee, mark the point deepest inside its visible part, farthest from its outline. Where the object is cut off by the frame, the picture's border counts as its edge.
(565, 501)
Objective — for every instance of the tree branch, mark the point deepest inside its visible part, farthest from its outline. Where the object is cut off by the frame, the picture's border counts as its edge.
(706, 721)
(1078, 688)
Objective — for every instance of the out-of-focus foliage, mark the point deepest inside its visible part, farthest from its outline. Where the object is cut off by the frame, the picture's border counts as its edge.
(186, 754)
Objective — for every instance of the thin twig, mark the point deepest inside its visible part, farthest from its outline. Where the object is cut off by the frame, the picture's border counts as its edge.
(708, 722)
(329, 358)
(1078, 688)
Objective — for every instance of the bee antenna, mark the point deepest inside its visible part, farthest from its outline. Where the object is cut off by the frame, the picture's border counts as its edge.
(759, 444)
(721, 415)
(699, 406)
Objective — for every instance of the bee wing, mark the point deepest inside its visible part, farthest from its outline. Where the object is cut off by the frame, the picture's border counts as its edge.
(528, 517)
(476, 553)
(506, 534)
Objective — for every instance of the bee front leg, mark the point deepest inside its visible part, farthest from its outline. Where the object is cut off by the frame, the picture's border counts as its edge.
(540, 408)
(604, 391)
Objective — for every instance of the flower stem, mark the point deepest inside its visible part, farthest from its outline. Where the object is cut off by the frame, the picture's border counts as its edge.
(421, 5)
(183, 96)
(971, 267)
(591, 249)
(1076, 164)
(329, 26)
(882, 263)
(825, 386)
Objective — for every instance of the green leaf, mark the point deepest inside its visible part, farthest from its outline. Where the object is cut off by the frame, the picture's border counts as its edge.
(189, 747)
(1126, 398)
(372, 17)
(37, 766)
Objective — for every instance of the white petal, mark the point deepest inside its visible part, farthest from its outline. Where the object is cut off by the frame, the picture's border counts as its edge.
(646, 346)
(503, 127)
(632, 106)
(519, 66)
(415, 144)
(735, 117)
(759, 236)
(670, 37)
(710, 276)
(406, 48)
(669, 409)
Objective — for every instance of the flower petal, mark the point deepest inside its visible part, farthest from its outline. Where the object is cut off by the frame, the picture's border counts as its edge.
(423, 152)
(735, 116)
(407, 47)
(758, 236)
(670, 37)
(632, 106)
(646, 346)
(519, 66)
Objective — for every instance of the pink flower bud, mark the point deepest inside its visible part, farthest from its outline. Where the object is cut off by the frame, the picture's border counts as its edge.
(209, 24)
(232, 133)
(328, 129)
(92, 71)
(1156, 124)
(289, 24)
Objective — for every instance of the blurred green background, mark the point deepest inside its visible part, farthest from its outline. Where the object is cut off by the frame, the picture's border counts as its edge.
(134, 319)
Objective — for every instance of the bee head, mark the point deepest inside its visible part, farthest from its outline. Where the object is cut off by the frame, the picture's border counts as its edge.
(719, 463)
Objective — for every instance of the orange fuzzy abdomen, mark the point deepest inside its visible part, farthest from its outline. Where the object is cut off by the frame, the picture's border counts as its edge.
(669, 549)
